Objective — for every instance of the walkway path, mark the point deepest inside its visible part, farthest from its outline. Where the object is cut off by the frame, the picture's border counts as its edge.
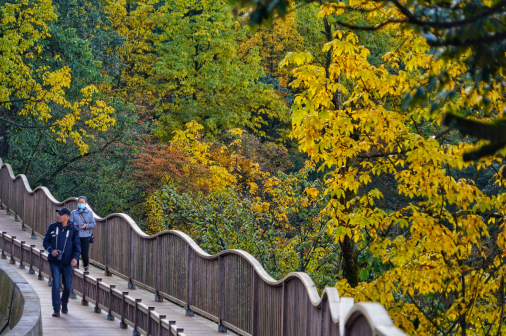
(81, 320)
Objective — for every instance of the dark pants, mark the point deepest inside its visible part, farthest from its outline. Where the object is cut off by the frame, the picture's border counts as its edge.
(85, 251)
(61, 274)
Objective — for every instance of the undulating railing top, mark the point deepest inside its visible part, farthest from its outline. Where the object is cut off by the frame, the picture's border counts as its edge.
(230, 287)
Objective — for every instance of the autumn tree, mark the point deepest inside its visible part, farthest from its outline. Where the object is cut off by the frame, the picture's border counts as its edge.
(277, 218)
(34, 85)
(436, 276)
(274, 42)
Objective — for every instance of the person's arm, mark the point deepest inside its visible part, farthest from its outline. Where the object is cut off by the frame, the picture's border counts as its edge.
(47, 239)
(76, 244)
(92, 223)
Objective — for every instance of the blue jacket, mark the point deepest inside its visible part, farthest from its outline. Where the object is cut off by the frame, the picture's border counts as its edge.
(72, 247)
(78, 221)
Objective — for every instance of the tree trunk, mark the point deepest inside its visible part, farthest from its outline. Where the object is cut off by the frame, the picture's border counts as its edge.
(4, 143)
(349, 261)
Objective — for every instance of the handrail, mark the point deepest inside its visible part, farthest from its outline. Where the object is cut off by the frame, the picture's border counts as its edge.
(230, 287)
(129, 310)
(19, 303)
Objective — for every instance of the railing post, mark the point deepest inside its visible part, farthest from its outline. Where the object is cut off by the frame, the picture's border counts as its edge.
(130, 283)
(160, 327)
(122, 324)
(107, 248)
(97, 287)
(158, 297)
(84, 302)
(189, 282)
(171, 323)
(136, 316)
(149, 331)
(12, 261)
(110, 317)
(40, 277)
(3, 245)
(31, 271)
(21, 256)
(221, 294)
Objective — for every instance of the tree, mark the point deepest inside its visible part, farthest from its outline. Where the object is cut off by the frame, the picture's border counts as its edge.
(273, 43)
(198, 75)
(33, 89)
(436, 256)
(468, 30)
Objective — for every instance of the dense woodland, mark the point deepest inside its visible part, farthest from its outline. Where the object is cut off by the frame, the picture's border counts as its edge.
(360, 141)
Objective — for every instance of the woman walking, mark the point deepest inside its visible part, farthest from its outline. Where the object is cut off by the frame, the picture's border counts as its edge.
(83, 218)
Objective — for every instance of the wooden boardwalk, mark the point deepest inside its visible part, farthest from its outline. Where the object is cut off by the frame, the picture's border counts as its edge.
(81, 320)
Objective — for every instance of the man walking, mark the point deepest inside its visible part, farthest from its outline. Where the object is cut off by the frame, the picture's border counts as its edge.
(64, 247)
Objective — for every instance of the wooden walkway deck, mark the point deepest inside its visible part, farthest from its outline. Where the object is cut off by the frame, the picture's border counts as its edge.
(81, 320)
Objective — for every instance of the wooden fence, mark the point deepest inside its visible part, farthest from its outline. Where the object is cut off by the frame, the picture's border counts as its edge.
(130, 311)
(231, 287)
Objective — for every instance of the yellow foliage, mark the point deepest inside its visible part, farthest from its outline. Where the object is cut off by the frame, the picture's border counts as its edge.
(39, 89)
(427, 246)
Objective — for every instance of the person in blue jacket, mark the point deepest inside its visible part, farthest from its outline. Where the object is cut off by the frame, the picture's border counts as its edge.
(84, 220)
(64, 247)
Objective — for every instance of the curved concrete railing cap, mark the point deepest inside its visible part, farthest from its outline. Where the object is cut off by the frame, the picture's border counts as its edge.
(25, 312)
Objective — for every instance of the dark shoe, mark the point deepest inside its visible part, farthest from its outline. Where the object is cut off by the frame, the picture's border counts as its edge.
(64, 309)
(86, 269)
(56, 313)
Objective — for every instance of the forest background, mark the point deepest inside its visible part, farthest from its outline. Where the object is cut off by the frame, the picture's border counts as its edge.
(311, 137)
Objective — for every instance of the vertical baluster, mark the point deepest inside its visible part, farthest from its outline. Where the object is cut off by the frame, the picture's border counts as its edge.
(160, 326)
(150, 331)
(122, 324)
(221, 294)
(31, 271)
(136, 317)
(254, 304)
(84, 302)
(3, 245)
(21, 255)
(107, 248)
(171, 323)
(189, 282)
(41, 252)
(97, 288)
(283, 310)
(109, 315)
(132, 252)
(12, 261)
(158, 297)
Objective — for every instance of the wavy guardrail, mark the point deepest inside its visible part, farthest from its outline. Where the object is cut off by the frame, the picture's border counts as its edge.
(127, 309)
(231, 287)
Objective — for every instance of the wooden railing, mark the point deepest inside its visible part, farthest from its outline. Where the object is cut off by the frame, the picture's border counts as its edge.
(129, 310)
(231, 287)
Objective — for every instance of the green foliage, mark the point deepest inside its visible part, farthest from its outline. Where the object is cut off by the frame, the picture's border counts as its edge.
(283, 229)
(198, 75)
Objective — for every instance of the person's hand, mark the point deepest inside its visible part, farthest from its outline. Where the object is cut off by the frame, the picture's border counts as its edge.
(83, 226)
(73, 263)
(54, 253)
